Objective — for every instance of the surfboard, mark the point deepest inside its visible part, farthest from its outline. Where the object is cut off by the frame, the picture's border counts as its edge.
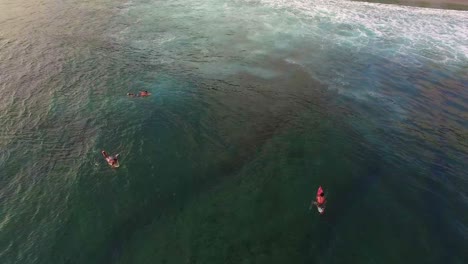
(321, 210)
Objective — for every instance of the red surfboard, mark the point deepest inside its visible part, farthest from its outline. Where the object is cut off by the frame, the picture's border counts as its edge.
(320, 200)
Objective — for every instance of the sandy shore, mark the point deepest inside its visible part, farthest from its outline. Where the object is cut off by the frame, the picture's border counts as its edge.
(445, 4)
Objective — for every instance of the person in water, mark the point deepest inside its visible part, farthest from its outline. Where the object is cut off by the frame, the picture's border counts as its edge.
(139, 94)
(113, 159)
(320, 201)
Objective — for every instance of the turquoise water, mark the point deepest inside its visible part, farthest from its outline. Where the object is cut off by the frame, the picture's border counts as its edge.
(254, 104)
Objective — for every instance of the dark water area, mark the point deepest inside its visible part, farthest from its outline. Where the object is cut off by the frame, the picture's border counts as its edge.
(254, 105)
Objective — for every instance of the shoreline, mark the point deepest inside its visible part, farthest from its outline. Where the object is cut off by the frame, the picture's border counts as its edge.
(460, 5)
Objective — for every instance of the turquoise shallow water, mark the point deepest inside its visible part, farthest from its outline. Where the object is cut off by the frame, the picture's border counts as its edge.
(254, 104)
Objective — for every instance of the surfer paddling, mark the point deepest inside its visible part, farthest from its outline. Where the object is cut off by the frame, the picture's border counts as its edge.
(111, 160)
(320, 200)
(139, 94)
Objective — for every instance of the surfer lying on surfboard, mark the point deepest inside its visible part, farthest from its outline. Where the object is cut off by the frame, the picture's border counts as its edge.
(111, 160)
(139, 94)
(320, 200)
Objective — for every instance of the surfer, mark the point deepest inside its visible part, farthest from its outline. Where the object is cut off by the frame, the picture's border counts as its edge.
(139, 94)
(320, 200)
(111, 160)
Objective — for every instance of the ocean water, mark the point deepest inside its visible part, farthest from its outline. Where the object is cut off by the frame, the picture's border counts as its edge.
(255, 103)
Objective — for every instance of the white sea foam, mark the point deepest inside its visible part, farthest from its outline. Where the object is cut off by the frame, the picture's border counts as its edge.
(409, 28)
(350, 46)
(389, 31)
